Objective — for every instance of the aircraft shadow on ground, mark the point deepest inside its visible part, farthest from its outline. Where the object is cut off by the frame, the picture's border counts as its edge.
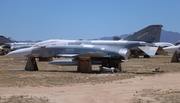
(93, 72)
(148, 72)
(22, 70)
(16, 70)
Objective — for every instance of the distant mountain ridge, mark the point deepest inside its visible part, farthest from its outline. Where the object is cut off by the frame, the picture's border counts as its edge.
(169, 36)
(166, 36)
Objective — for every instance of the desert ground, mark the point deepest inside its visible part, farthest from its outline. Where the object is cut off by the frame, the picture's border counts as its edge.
(57, 84)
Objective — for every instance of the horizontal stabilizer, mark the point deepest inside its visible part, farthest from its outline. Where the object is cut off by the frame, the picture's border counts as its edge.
(151, 51)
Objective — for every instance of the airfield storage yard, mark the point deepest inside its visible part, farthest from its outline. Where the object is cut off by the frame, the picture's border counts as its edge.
(56, 84)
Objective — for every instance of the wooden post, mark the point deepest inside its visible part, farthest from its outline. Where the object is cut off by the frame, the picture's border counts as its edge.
(119, 67)
(31, 65)
(175, 57)
(136, 55)
(84, 65)
(104, 63)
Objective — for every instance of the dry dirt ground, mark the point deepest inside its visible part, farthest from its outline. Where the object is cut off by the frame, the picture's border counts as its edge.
(55, 84)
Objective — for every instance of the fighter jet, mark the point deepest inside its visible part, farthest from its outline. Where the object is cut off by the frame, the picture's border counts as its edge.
(3, 47)
(163, 44)
(108, 53)
(172, 49)
(7, 45)
(19, 45)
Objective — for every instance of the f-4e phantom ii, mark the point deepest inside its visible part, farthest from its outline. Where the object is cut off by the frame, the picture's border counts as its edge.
(108, 53)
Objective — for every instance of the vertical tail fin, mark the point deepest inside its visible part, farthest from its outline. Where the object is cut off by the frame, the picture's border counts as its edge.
(150, 34)
(4, 40)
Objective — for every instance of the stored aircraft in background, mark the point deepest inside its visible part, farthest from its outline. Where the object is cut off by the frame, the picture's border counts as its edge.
(172, 49)
(177, 43)
(111, 51)
(7, 45)
(3, 47)
(162, 44)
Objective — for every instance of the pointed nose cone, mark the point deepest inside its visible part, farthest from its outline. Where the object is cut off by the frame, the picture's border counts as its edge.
(20, 53)
(172, 49)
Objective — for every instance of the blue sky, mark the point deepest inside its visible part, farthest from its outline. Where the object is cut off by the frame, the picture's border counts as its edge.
(84, 19)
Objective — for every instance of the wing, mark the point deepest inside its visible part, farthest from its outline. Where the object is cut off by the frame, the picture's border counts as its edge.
(151, 51)
(148, 50)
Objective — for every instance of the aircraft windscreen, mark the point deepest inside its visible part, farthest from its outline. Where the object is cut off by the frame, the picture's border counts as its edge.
(44, 43)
